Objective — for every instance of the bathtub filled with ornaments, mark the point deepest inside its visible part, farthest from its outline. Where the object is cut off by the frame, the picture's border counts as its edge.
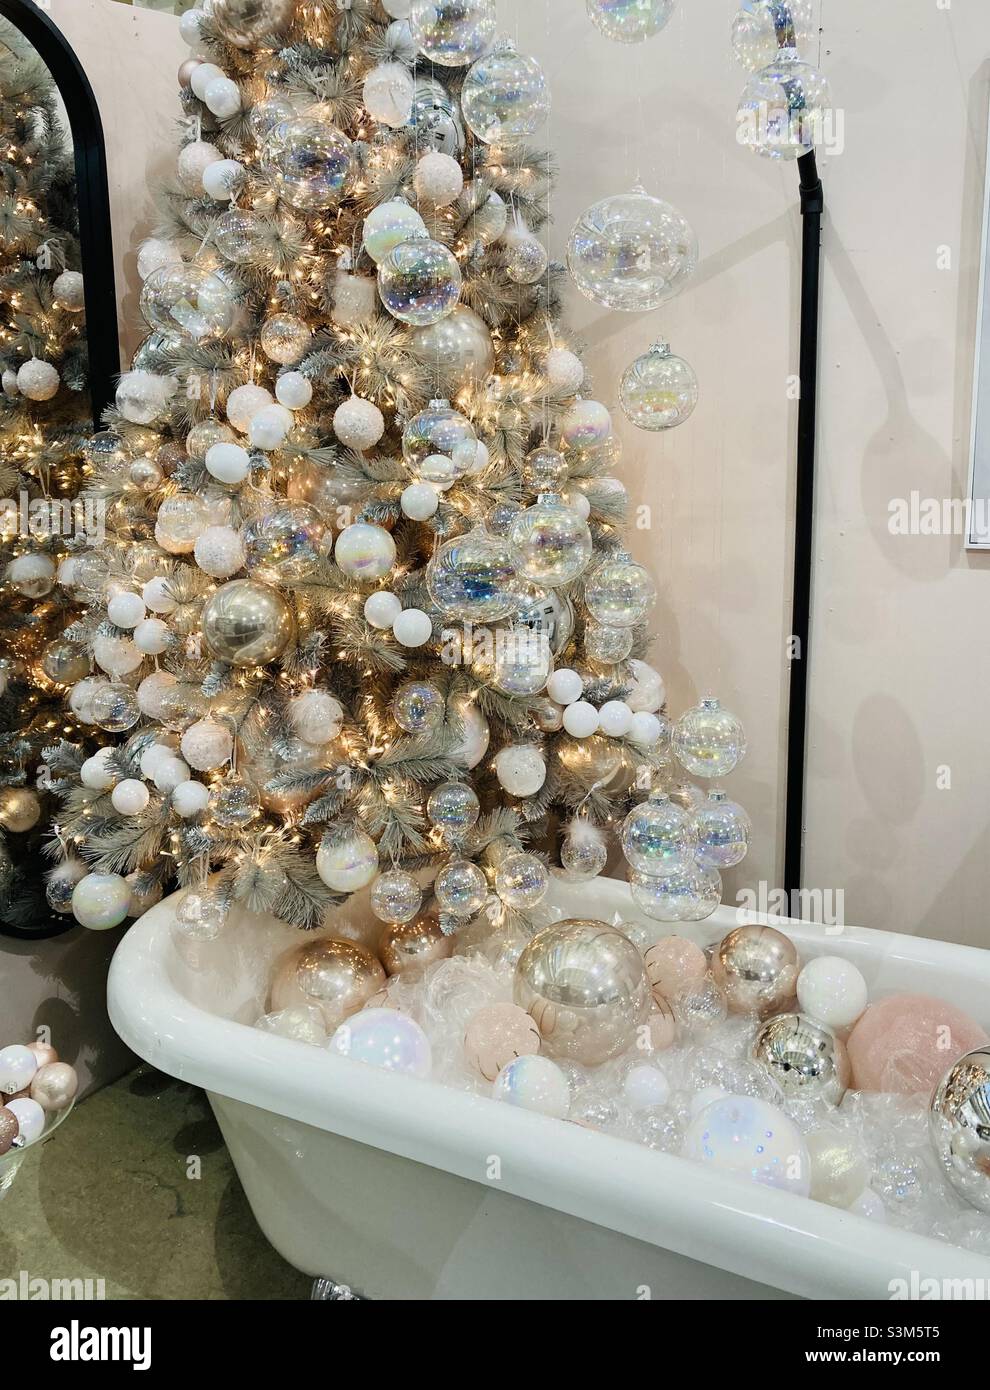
(608, 1110)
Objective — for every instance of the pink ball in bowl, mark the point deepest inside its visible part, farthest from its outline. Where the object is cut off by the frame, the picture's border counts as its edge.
(906, 1043)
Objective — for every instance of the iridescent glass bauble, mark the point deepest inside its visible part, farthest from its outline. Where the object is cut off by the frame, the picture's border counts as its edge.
(632, 252)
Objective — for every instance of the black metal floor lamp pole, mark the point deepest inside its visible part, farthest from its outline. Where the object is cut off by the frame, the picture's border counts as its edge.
(812, 209)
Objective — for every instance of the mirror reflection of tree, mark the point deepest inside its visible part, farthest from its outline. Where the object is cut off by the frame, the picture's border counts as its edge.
(45, 416)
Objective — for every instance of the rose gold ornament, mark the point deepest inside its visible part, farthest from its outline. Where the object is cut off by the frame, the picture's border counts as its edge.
(44, 1052)
(906, 1043)
(756, 968)
(9, 1128)
(187, 69)
(54, 1086)
(413, 945)
(497, 1034)
(338, 977)
(675, 966)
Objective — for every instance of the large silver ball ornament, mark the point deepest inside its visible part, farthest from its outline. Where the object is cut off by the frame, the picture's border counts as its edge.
(806, 1059)
(959, 1123)
(247, 623)
(458, 349)
(756, 968)
(584, 985)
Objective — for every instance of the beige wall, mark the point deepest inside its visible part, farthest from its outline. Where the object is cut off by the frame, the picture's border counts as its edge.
(898, 667)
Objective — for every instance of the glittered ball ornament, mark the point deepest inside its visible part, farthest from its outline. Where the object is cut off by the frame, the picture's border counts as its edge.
(68, 290)
(244, 402)
(584, 984)
(833, 991)
(505, 97)
(188, 302)
(438, 179)
(365, 552)
(708, 741)
(631, 252)
(60, 883)
(552, 541)
(805, 1058)
(520, 769)
(457, 350)
(219, 552)
(337, 977)
(197, 156)
(630, 21)
(723, 830)
(904, 1043)
(396, 897)
(180, 521)
(206, 744)
(452, 33)
(358, 424)
(756, 968)
(958, 1127)
(460, 888)
(347, 862)
(413, 945)
(840, 1169)
(564, 370)
(285, 338)
(283, 545)
(659, 390)
(386, 1039)
(472, 577)
(388, 93)
(233, 803)
(247, 623)
(526, 258)
(38, 380)
(419, 282)
(753, 1140)
(54, 1087)
(454, 808)
(310, 162)
(534, 1083)
(417, 707)
(785, 108)
(583, 851)
(99, 901)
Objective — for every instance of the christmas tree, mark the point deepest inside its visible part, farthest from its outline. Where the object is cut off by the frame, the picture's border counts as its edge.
(44, 414)
(367, 616)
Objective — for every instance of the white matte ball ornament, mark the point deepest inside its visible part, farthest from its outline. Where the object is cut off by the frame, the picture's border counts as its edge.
(202, 77)
(193, 162)
(206, 744)
(18, 1065)
(270, 426)
(222, 97)
(534, 1083)
(388, 94)
(615, 718)
(95, 773)
(644, 729)
(840, 1169)
(419, 501)
(158, 597)
(190, 799)
(228, 463)
(30, 1118)
(358, 424)
(520, 770)
(219, 552)
(293, 390)
(381, 609)
(130, 797)
(412, 628)
(397, 9)
(832, 991)
(32, 575)
(364, 551)
(37, 380)
(152, 691)
(348, 864)
(152, 757)
(151, 636)
(644, 1086)
(581, 719)
(170, 773)
(155, 253)
(438, 179)
(69, 290)
(565, 686)
(99, 901)
(126, 610)
(189, 27)
(221, 180)
(244, 402)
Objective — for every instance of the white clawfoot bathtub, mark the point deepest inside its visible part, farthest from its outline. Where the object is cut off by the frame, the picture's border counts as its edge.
(406, 1189)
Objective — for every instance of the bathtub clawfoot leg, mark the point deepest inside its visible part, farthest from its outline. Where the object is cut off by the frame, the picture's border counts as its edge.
(328, 1290)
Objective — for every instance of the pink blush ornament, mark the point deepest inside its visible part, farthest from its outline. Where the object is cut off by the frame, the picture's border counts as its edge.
(661, 1026)
(675, 966)
(496, 1035)
(906, 1043)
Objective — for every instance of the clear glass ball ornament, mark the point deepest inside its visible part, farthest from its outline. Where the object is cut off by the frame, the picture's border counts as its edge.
(115, 707)
(201, 914)
(264, 116)
(181, 520)
(452, 33)
(657, 834)
(619, 592)
(436, 119)
(505, 97)
(418, 707)
(454, 808)
(552, 541)
(685, 892)
(708, 741)
(659, 390)
(607, 644)
(762, 27)
(202, 437)
(472, 577)
(283, 545)
(522, 881)
(461, 888)
(723, 829)
(522, 661)
(526, 259)
(438, 431)
(234, 803)
(630, 21)
(188, 302)
(632, 252)
(310, 162)
(285, 338)
(544, 469)
(583, 852)
(784, 109)
(419, 282)
(396, 896)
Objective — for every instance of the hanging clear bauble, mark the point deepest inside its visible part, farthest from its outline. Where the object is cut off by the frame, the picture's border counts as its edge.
(583, 853)
(461, 888)
(452, 33)
(418, 707)
(632, 252)
(522, 881)
(683, 893)
(265, 115)
(237, 235)
(396, 896)
(630, 21)
(547, 612)
(457, 350)
(657, 834)
(436, 120)
(544, 469)
(419, 282)
(472, 577)
(619, 592)
(526, 259)
(785, 108)
(659, 390)
(309, 161)
(188, 302)
(115, 707)
(522, 661)
(283, 545)
(763, 26)
(708, 740)
(251, 23)
(505, 97)
(284, 338)
(438, 431)
(553, 541)
(723, 831)
(607, 644)
(234, 803)
(454, 808)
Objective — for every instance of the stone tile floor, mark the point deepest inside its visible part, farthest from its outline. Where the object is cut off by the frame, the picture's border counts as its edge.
(113, 1195)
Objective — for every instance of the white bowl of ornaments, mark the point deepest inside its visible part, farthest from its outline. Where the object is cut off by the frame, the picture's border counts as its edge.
(37, 1092)
(598, 1113)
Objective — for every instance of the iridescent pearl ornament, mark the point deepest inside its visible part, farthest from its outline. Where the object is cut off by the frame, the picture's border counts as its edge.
(386, 1039)
(750, 1139)
(99, 901)
(412, 628)
(337, 977)
(534, 1083)
(553, 542)
(381, 609)
(388, 226)
(709, 741)
(804, 1058)
(365, 552)
(840, 1169)
(832, 990)
(413, 945)
(756, 968)
(201, 914)
(496, 1035)
(522, 881)
(348, 862)
(658, 391)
